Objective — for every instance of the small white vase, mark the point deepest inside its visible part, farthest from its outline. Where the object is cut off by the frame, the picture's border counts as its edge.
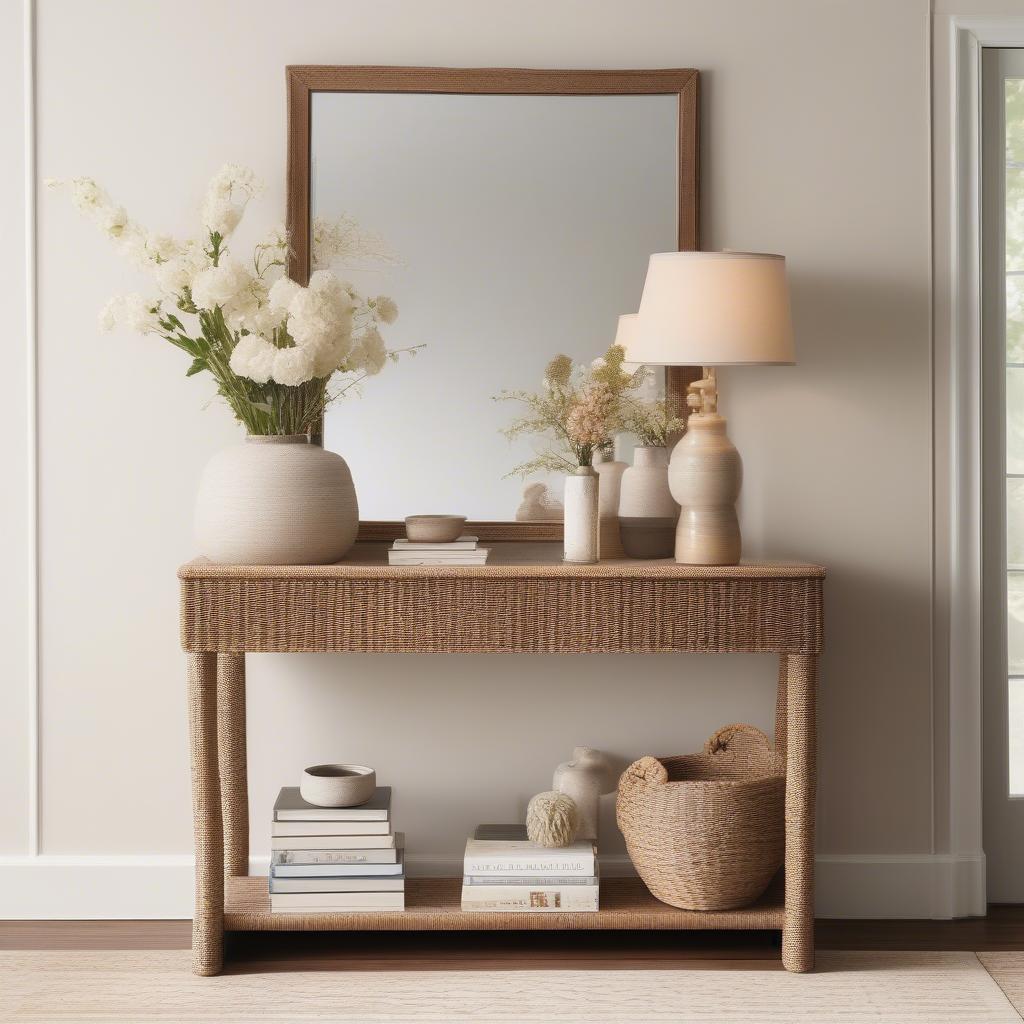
(647, 510)
(276, 501)
(609, 472)
(581, 515)
(705, 474)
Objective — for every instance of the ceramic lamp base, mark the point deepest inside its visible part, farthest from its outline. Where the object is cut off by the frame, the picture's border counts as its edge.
(704, 475)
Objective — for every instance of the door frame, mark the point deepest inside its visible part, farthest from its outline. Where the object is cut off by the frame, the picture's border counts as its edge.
(957, 378)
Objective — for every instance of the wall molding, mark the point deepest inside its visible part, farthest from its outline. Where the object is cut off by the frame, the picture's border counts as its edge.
(159, 886)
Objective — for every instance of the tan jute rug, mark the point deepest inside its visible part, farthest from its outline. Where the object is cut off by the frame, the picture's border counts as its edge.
(847, 988)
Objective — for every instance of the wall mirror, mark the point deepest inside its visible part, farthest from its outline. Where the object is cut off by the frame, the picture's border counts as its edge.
(517, 210)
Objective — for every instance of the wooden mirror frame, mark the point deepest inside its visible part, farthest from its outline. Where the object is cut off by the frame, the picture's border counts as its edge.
(304, 80)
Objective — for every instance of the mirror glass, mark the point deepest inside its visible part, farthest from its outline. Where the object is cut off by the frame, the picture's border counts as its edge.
(518, 227)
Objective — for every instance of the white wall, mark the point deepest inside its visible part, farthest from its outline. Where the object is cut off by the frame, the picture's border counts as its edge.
(815, 144)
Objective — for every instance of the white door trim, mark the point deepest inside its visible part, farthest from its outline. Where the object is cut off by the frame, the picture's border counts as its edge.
(959, 398)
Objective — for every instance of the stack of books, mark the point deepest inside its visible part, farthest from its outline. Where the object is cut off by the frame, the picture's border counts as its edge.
(503, 870)
(331, 859)
(463, 551)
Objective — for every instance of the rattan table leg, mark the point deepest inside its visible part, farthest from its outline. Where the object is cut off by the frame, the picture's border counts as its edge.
(801, 779)
(234, 783)
(780, 707)
(208, 916)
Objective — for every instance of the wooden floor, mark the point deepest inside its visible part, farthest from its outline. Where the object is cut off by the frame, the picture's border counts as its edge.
(1001, 931)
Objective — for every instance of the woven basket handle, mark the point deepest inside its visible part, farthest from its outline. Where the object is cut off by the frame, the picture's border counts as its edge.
(738, 742)
(647, 771)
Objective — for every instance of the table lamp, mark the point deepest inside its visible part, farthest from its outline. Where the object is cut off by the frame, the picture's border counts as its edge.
(710, 309)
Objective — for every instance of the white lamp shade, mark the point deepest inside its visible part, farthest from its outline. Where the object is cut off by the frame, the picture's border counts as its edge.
(626, 331)
(711, 309)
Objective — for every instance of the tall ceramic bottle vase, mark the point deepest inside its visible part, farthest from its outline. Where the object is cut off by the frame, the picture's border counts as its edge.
(581, 516)
(705, 474)
(647, 511)
(609, 472)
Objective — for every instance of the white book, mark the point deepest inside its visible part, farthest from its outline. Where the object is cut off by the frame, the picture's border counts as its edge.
(376, 884)
(477, 557)
(291, 807)
(464, 543)
(332, 842)
(531, 898)
(334, 870)
(332, 903)
(330, 828)
(542, 882)
(524, 859)
(327, 858)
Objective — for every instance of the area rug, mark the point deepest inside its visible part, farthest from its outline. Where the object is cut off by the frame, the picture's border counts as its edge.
(847, 988)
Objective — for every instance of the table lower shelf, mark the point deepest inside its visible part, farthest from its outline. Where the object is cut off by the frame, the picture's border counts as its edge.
(433, 904)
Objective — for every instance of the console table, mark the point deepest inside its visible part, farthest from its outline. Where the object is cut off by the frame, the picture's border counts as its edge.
(525, 601)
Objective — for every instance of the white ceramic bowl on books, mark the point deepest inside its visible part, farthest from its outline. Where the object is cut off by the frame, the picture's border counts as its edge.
(434, 529)
(338, 785)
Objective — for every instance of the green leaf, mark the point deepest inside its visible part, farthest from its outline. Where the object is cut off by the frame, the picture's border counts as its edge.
(198, 365)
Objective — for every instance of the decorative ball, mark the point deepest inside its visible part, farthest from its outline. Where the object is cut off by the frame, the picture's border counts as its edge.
(552, 819)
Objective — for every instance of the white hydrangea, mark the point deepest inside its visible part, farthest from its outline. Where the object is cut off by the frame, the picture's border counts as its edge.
(329, 356)
(113, 220)
(321, 314)
(253, 357)
(161, 248)
(292, 366)
(220, 215)
(227, 285)
(131, 312)
(370, 354)
(282, 291)
(385, 309)
(226, 196)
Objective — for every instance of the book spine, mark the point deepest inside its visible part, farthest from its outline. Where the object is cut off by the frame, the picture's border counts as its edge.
(330, 828)
(535, 882)
(329, 857)
(531, 899)
(531, 868)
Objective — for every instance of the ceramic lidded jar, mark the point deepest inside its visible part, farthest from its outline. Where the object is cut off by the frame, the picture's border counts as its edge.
(276, 500)
(647, 510)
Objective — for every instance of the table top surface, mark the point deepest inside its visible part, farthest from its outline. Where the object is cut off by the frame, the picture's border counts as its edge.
(509, 559)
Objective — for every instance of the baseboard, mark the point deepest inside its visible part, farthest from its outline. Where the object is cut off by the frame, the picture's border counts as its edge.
(159, 887)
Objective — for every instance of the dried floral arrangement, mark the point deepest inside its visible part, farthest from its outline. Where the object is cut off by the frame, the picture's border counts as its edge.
(271, 344)
(578, 413)
(651, 421)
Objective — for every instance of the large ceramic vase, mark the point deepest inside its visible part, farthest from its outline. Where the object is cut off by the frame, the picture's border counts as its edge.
(705, 474)
(581, 516)
(276, 501)
(609, 472)
(647, 510)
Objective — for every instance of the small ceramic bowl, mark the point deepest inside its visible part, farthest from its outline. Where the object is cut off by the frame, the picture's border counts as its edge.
(434, 529)
(338, 785)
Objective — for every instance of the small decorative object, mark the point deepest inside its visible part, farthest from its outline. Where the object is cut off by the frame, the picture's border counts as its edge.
(710, 309)
(276, 500)
(273, 347)
(578, 412)
(539, 505)
(584, 779)
(338, 785)
(552, 819)
(434, 529)
(609, 472)
(707, 831)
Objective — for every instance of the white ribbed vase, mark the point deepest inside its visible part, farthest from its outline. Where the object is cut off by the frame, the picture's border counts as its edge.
(647, 510)
(581, 516)
(276, 501)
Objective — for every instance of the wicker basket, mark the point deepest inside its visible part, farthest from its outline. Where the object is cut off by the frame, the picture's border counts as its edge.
(707, 831)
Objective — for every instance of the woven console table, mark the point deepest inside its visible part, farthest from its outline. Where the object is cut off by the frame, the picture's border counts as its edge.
(525, 601)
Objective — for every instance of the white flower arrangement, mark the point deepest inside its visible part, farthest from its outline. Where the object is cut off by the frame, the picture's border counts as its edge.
(271, 344)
